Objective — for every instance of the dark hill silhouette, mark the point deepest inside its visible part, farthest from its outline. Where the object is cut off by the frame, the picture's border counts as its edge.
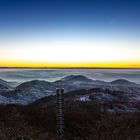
(123, 82)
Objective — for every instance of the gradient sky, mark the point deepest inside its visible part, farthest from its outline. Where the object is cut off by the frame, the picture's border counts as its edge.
(70, 33)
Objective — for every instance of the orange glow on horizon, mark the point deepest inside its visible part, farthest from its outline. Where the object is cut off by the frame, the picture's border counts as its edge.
(32, 64)
(70, 53)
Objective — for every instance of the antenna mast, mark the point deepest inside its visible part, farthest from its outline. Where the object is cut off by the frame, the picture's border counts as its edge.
(60, 109)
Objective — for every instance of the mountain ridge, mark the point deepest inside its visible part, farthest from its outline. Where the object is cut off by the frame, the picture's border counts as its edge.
(31, 91)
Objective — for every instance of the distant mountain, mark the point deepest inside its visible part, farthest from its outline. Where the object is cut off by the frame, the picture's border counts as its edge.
(30, 91)
(122, 82)
(35, 84)
(4, 85)
(75, 82)
(33, 90)
(74, 78)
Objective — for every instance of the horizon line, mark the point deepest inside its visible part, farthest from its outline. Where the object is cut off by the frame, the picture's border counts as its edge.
(69, 67)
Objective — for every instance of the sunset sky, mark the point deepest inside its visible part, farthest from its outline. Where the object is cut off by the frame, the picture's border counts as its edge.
(70, 33)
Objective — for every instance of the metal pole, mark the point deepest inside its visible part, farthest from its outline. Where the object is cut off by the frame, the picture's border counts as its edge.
(60, 111)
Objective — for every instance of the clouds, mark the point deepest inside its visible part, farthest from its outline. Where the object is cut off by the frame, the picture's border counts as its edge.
(22, 75)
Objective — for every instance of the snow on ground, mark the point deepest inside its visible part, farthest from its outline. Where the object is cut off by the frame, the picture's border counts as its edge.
(83, 98)
(101, 96)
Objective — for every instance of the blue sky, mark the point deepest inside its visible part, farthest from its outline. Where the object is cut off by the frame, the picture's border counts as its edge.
(44, 21)
(108, 14)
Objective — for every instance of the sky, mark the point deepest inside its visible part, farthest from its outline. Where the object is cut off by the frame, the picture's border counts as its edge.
(70, 33)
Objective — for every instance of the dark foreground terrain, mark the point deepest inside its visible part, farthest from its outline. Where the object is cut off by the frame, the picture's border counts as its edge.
(83, 121)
